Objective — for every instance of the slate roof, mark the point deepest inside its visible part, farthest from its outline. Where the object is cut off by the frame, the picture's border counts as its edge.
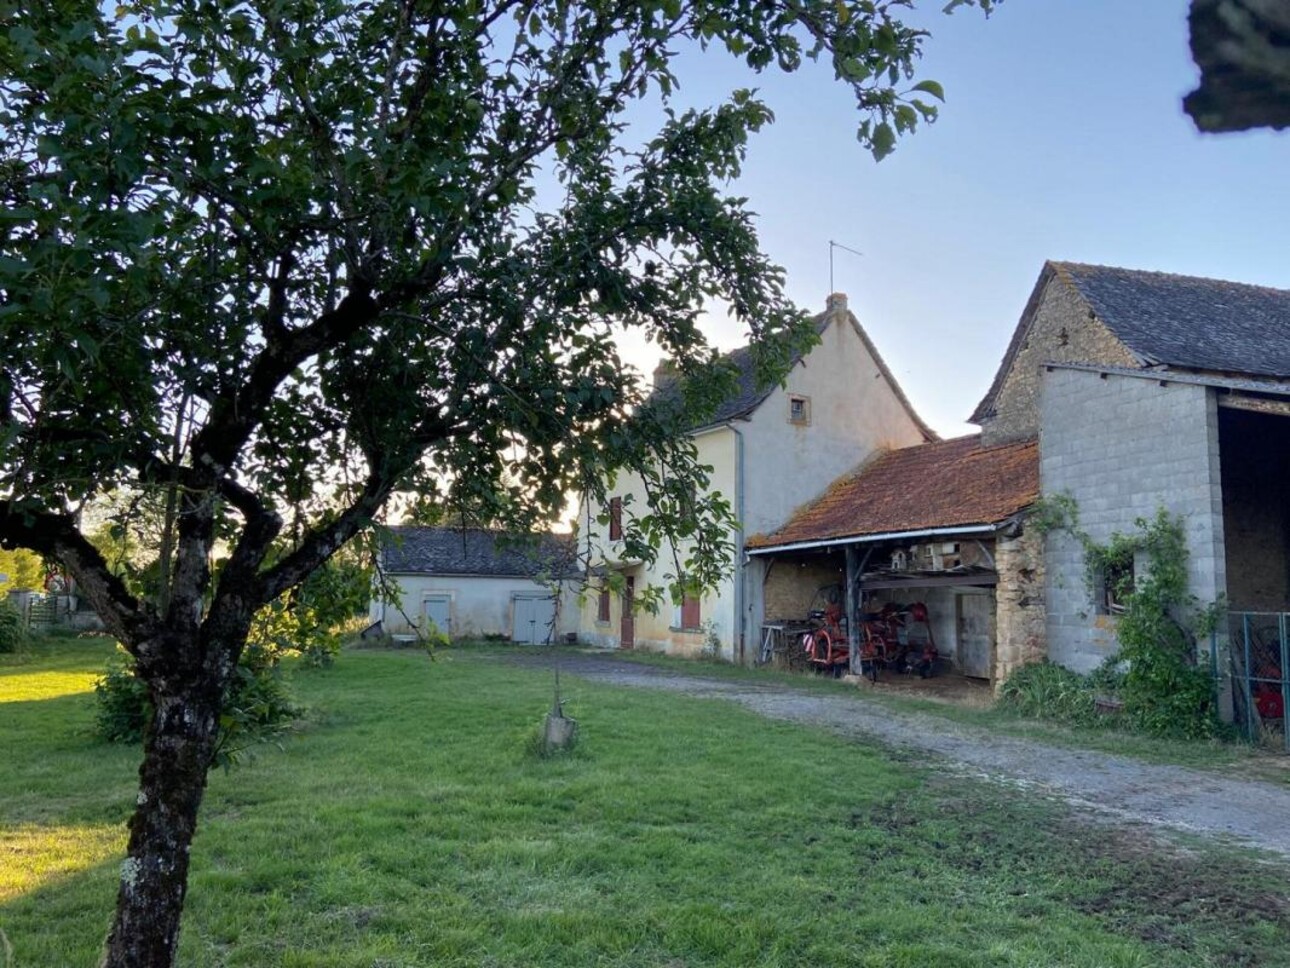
(1189, 322)
(1183, 322)
(949, 483)
(749, 394)
(477, 551)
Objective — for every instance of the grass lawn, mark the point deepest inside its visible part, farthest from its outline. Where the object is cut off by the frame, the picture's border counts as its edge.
(405, 824)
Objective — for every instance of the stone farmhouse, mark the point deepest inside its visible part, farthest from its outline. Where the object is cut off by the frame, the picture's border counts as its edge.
(1128, 391)
(1147, 390)
(771, 449)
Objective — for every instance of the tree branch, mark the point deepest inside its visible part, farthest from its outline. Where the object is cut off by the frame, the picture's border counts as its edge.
(56, 536)
(320, 544)
(233, 418)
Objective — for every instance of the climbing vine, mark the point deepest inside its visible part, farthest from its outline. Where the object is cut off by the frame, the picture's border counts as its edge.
(1164, 689)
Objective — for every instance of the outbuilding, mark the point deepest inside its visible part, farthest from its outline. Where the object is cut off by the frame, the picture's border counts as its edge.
(940, 524)
(477, 583)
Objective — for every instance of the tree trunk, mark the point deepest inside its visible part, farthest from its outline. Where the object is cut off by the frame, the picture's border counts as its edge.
(154, 878)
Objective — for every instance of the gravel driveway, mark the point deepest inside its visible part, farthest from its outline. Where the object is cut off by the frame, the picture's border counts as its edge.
(1128, 790)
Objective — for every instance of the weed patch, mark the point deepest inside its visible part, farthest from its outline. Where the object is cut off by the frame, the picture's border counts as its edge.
(1222, 907)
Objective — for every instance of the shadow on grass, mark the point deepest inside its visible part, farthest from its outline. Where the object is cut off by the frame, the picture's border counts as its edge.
(63, 918)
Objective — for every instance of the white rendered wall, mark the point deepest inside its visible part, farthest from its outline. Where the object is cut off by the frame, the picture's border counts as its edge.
(479, 606)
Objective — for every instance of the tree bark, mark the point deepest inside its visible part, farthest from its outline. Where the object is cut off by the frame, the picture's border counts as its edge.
(178, 751)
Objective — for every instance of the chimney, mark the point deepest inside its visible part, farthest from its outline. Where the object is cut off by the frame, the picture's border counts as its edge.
(837, 302)
(665, 372)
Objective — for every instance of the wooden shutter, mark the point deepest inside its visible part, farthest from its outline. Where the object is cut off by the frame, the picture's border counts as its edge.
(690, 612)
(615, 518)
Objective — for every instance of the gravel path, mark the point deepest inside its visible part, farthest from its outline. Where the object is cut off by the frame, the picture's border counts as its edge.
(1128, 790)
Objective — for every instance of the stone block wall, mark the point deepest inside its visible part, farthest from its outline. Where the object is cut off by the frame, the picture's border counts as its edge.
(1122, 447)
(1063, 329)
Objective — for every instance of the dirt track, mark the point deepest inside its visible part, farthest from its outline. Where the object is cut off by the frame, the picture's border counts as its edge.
(1128, 790)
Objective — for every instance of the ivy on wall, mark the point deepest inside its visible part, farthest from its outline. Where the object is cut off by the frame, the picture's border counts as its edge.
(1165, 688)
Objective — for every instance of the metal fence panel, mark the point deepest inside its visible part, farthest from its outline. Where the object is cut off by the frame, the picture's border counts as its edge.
(1260, 660)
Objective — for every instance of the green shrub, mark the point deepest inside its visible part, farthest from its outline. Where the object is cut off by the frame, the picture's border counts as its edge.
(1045, 690)
(13, 634)
(124, 709)
(1108, 678)
(1166, 694)
(258, 706)
(1165, 691)
(1157, 673)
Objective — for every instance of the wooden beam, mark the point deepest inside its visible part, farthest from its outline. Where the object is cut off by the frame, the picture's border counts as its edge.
(853, 606)
(931, 581)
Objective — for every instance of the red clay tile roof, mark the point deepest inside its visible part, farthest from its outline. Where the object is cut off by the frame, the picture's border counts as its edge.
(950, 483)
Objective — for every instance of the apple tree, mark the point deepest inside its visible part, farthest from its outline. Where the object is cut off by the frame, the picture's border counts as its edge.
(254, 251)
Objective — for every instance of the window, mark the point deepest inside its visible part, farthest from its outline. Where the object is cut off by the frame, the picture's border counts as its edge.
(602, 606)
(687, 614)
(1115, 581)
(615, 519)
(799, 409)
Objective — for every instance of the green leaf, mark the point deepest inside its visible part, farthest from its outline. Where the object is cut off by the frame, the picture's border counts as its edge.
(930, 87)
(884, 141)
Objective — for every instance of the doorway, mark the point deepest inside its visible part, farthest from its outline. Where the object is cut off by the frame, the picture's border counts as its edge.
(974, 628)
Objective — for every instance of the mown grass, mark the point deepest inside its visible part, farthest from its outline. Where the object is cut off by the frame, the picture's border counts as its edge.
(405, 825)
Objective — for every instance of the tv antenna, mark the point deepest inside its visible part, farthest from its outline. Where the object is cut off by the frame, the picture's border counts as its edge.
(845, 248)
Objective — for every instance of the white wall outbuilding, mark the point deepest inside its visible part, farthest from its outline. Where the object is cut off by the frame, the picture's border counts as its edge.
(475, 583)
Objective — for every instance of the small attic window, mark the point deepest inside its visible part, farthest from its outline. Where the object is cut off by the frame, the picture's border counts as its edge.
(799, 409)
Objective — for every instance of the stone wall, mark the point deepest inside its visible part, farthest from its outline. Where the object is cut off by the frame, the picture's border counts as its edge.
(1123, 447)
(1021, 616)
(1255, 531)
(1063, 329)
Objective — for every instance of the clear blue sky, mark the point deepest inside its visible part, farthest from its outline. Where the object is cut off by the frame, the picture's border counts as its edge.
(1062, 137)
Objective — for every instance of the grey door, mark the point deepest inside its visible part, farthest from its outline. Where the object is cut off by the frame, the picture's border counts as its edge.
(975, 633)
(533, 620)
(438, 615)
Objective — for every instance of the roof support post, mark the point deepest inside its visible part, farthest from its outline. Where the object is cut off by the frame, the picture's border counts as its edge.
(853, 606)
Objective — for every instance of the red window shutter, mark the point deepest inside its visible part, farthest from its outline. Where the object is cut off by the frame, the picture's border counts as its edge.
(615, 518)
(602, 607)
(690, 612)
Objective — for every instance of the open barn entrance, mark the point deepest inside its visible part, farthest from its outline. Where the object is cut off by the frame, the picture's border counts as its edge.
(1255, 461)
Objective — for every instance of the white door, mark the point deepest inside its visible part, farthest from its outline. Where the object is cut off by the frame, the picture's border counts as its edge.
(438, 615)
(534, 620)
